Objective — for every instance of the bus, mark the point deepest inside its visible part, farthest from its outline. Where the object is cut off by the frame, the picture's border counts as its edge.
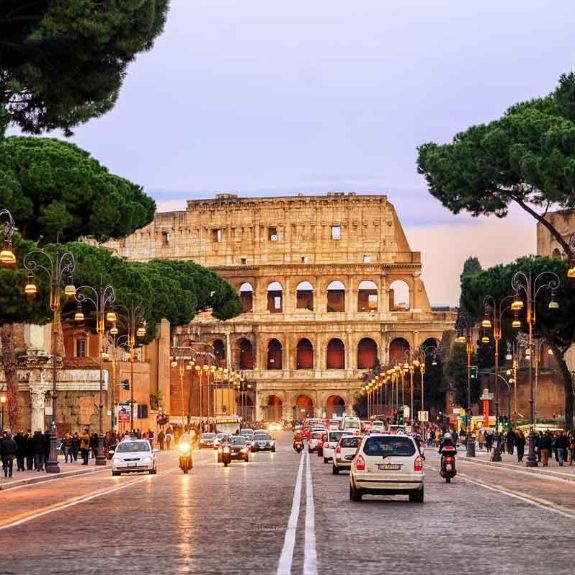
(229, 424)
(350, 423)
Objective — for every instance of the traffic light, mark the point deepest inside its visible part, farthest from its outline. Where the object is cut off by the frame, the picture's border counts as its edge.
(505, 421)
(473, 372)
(125, 384)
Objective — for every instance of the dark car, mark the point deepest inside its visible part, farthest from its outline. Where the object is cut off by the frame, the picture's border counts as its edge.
(239, 449)
(263, 442)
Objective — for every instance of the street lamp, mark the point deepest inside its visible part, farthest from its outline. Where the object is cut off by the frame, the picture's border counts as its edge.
(531, 288)
(60, 265)
(492, 320)
(132, 318)
(421, 355)
(464, 327)
(7, 256)
(102, 298)
(183, 364)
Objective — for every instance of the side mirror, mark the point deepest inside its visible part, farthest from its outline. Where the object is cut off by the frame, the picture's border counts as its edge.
(111, 451)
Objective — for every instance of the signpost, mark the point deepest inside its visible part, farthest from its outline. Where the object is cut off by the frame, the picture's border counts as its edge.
(423, 416)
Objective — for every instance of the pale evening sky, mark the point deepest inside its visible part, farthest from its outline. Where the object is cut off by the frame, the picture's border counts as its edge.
(269, 97)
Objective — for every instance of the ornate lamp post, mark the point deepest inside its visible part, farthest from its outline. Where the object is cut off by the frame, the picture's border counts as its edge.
(183, 364)
(421, 355)
(101, 299)
(57, 267)
(464, 327)
(7, 256)
(531, 287)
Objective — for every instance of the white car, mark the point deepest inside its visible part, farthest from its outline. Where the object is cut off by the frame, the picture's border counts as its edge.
(329, 444)
(344, 452)
(314, 440)
(134, 455)
(387, 465)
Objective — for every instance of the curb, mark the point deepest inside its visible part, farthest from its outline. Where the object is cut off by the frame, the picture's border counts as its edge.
(537, 471)
(47, 477)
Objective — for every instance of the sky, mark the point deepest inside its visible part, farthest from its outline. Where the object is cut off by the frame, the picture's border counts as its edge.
(276, 97)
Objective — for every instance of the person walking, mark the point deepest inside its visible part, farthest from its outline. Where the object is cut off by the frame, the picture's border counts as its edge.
(94, 445)
(561, 445)
(67, 447)
(520, 444)
(545, 448)
(571, 447)
(8, 450)
(38, 450)
(29, 450)
(488, 441)
(75, 448)
(85, 446)
(20, 440)
(161, 439)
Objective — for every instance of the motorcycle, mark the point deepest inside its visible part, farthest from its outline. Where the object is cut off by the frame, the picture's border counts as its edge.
(298, 446)
(225, 455)
(185, 456)
(448, 470)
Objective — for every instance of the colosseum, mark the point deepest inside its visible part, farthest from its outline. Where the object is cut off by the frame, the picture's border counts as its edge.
(329, 286)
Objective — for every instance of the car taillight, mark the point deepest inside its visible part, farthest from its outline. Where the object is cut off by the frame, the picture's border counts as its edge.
(418, 464)
(360, 463)
(338, 449)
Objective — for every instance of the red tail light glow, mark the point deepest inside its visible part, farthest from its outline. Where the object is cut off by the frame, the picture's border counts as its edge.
(418, 464)
(338, 449)
(449, 459)
(360, 463)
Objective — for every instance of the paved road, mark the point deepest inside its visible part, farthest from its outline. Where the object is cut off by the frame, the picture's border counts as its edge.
(244, 519)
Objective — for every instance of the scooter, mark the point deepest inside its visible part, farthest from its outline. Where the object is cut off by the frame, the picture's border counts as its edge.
(447, 470)
(298, 445)
(225, 455)
(185, 456)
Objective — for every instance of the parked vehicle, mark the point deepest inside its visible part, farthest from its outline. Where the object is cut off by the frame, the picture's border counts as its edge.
(387, 465)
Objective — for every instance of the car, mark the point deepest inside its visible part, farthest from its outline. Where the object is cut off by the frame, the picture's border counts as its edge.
(344, 452)
(239, 449)
(219, 439)
(263, 442)
(330, 442)
(207, 439)
(387, 465)
(275, 426)
(133, 455)
(248, 434)
(314, 440)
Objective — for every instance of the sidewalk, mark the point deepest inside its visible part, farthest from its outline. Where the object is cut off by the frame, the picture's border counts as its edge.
(20, 478)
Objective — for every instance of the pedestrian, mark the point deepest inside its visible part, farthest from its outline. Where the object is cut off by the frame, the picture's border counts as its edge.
(94, 445)
(67, 447)
(20, 440)
(85, 446)
(29, 450)
(8, 450)
(571, 447)
(75, 448)
(511, 439)
(38, 450)
(520, 444)
(561, 445)
(488, 441)
(169, 438)
(545, 442)
(161, 439)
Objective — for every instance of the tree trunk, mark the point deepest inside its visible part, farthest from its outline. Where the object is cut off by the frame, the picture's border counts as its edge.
(10, 375)
(567, 384)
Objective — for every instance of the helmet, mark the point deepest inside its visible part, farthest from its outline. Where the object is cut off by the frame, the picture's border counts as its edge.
(447, 435)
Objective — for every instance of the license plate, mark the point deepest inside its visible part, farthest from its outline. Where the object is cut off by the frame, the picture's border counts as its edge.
(134, 464)
(389, 467)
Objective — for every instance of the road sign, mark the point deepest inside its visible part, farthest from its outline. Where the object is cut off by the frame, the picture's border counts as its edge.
(124, 414)
(423, 415)
(406, 412)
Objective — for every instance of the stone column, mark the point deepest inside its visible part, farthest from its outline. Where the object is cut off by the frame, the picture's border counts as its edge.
(38, 389)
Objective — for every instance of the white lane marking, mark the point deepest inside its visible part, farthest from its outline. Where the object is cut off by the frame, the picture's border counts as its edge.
(286, 557)
(310, 553)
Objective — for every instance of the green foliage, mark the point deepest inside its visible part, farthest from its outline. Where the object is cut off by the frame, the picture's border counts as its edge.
(456, 375)
(52, 186)
(63, 61)
(526, 157)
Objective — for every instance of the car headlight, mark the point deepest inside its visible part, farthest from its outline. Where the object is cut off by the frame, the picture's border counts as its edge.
(147, 460)
(116, 460)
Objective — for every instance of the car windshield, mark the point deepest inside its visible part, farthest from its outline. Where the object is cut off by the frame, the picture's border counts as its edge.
(317, 434)
(208, 435)
(247, 432)
(349, 441)
(237, 440)
(262, 436)
(388, 446)
(133, 446)
(335, 435)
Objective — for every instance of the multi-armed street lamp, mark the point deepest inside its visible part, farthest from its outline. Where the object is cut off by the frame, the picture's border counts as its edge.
(419, 362)
(57, 267)
(531, 287)
(101, 299)
(464, 329)
(133, 320)
(183, 364)
(494, 311)
(7, 256)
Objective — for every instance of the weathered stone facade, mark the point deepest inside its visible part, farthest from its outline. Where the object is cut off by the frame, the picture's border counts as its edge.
(329, 284)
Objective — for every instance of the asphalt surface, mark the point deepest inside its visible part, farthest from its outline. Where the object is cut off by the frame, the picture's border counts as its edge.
(242, 519)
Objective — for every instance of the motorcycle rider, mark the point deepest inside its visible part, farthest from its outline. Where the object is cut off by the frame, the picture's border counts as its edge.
(447, 441)
(298, 438)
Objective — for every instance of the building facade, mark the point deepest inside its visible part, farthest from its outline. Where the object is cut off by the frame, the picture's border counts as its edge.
(329, 286)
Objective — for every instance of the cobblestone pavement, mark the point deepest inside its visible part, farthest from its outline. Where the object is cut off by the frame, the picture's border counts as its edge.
(235, 520)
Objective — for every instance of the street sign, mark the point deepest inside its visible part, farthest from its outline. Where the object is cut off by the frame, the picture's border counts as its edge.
(124, 414)
(406, 412)
(423, 415)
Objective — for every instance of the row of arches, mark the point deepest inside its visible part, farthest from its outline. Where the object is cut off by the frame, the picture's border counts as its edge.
(335, 301)
(366, 356)
(304, 408)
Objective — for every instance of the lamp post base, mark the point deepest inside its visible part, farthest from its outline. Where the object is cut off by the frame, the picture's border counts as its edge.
(531, 460)
(52, 463)
(100, 457)
(469, 446)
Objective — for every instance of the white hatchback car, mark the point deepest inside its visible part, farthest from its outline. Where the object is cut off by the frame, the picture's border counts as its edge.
(134, 455)
(330, 443)
(387, 465)
(344, 452)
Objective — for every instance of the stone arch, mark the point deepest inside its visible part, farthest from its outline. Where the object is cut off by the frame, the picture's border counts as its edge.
(275, 297)
(399, 350)
(366, 353)
(304, 354)
(367, 296)
(246, 354)
(430, 342)
(274, 408)
(304, 296)
(335, 354)
(247, 297)
(334, 406)
(335, 296)
(219, 350)
(304, 407)
(274, 355)
(399, 296)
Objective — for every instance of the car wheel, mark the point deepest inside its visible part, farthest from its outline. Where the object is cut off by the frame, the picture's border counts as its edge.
(354, 494)
(116, 473)
(273, 449)
(448, 479)
(416, 496)
(326, 460)
(309, 450)
(335, 470)
(153, 471)
(186, 470)
(226, 463)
